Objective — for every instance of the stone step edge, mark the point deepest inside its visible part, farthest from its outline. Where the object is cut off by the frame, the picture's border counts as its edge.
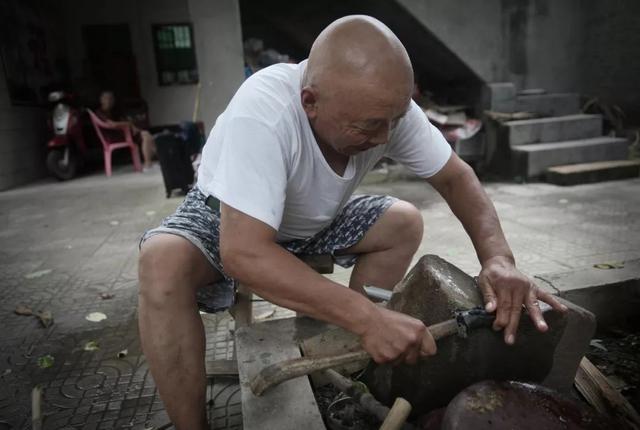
(552, 119)
(591, 141)
(547, 95)
(567, 169)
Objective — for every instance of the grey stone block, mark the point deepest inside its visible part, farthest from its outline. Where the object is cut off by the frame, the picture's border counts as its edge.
(532, 160)
(499, 97)
(555, 129)
(550, 358)
(472, 149)
(556, 104)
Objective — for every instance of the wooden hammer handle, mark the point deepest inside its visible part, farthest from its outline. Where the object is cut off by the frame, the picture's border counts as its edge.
(397, 416)
(443, 329)
(277, 373)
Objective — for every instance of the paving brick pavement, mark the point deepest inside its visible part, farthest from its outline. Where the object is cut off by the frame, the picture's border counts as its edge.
(63, 244)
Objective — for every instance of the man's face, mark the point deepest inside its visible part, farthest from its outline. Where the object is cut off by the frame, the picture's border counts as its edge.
(355, 120)
(107, 101)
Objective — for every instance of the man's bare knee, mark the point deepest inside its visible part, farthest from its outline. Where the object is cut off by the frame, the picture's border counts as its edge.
(407, 221)
(170, 270)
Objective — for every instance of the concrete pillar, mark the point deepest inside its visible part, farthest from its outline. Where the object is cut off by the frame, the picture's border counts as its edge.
(5, 102)
(22, 140)
(218, 41)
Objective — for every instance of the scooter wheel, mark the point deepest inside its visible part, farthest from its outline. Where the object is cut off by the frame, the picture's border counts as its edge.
(57, 167)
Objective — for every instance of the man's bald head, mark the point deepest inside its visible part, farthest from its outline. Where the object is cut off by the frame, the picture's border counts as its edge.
(357, 85)
(358, 50)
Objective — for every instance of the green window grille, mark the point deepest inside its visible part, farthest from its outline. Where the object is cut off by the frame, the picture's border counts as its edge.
(175, 54)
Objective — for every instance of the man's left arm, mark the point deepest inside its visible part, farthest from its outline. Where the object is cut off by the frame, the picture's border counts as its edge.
(504, 288)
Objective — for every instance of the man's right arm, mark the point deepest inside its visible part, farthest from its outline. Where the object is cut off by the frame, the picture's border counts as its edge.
(250, 254)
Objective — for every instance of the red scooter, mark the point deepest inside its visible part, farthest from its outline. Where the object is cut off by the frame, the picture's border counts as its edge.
(66, 149)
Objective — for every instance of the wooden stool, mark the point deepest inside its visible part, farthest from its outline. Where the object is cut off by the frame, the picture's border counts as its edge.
(242, 312)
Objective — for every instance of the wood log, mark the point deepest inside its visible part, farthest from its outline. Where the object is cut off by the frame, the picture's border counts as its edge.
(36, 408)
(599, 393)
(392, 419)
(242, 310)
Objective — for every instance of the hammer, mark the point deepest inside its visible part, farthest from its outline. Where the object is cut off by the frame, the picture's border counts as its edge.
(276, 373)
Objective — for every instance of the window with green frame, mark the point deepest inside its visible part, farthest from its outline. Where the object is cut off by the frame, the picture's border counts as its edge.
(175, 54)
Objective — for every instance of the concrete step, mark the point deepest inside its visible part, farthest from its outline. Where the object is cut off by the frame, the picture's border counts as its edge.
(532, 160)
(554, 129)
(587, 173)
(554, 104)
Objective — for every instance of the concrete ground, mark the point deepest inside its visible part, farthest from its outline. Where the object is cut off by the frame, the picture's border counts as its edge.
(63, 244)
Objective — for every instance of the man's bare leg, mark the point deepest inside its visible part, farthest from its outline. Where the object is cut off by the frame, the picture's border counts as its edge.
(148, 148)
(386, 250)
(171, 269)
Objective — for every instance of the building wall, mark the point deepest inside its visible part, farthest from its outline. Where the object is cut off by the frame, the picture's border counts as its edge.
(533, 43)
(590, 47)
(611, 54)
(471, 29)
(22, 141)
(218, 39)
(551, 42)
(23, 127)
(216, 27)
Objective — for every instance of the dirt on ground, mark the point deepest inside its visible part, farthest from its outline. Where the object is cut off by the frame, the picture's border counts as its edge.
(616, 352)
(340, 412)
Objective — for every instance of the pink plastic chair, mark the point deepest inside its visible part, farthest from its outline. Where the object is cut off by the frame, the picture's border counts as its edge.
(108, 146)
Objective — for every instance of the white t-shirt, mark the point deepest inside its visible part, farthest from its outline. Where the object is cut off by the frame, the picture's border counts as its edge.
(262, 158)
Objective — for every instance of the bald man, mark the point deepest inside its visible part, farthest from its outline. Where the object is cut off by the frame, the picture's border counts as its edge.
(277, 176)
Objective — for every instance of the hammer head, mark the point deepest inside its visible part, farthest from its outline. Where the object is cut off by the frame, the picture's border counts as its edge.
(478, 317)
(473, 318)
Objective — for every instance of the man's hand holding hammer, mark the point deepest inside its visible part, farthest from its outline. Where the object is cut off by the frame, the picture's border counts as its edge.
(396, 337)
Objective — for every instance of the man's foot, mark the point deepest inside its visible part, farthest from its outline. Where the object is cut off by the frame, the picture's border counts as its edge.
(150, 168)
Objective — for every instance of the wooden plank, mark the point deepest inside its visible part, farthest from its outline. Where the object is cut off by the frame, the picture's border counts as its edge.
(221, 368)
(596, 165)
(597, 390)
(242, 310)
(290, 405)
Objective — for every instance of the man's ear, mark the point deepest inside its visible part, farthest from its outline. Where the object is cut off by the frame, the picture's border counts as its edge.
(309, 102)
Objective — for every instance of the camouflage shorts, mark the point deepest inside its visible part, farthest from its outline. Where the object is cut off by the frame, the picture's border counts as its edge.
(200, 225)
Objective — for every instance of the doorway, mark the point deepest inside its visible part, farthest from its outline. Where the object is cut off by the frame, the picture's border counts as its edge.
(110, 62)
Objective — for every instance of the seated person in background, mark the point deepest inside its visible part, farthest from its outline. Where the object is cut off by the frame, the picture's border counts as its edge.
(108, 112)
